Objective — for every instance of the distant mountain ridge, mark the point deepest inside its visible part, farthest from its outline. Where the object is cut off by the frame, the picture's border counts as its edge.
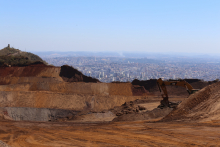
(15, 57)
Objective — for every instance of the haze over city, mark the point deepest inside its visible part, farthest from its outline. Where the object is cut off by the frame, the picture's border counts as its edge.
(112, 26)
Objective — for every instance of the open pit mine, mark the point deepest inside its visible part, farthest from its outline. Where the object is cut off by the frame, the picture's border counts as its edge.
(48, 106)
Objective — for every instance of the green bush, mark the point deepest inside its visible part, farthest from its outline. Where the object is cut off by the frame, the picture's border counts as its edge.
(15, 57)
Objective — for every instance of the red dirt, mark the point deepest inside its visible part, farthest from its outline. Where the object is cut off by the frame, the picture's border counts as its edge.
(27, 71)
(129, 134)
(204, 105)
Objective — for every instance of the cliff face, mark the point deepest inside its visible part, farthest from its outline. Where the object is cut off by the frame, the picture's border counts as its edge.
(37, 70)
(42, 86)
(46, 88)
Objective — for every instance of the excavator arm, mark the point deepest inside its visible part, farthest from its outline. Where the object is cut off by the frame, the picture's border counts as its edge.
(162, 87)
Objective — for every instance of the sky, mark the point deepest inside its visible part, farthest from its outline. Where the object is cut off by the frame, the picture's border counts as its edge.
(182, 26)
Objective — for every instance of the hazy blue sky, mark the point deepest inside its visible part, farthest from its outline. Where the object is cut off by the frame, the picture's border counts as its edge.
(111, 25)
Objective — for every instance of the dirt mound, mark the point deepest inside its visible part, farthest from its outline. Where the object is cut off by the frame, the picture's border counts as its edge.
(127, 108)
(156, 113)
(204, 105)
(134, 110)
(70, 74)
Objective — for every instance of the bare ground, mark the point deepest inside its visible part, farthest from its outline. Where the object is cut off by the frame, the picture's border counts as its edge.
(139, 133)
(128, 133)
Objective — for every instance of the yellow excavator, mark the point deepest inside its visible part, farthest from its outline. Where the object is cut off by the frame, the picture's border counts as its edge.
(162, 87)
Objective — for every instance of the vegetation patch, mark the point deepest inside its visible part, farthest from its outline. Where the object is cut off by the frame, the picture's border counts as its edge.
(10, 56)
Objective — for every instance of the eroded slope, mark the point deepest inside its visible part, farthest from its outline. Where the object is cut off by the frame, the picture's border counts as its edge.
(204, 105)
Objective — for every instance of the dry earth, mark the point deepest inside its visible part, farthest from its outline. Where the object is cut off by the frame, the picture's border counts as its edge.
(201, 106)
(139, 133)
(128, 133)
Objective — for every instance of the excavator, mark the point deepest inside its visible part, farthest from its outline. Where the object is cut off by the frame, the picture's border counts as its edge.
(162, 87)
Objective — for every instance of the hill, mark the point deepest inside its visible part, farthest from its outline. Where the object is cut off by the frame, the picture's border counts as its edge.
(204, 105)
(15, 57)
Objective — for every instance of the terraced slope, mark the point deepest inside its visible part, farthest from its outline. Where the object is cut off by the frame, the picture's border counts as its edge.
(41, 86)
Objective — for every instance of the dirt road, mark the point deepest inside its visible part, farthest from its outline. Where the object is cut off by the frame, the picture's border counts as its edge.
(140, 133)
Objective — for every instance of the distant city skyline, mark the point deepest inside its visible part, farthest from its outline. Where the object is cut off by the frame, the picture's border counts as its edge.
(114, 26)
(109, 69)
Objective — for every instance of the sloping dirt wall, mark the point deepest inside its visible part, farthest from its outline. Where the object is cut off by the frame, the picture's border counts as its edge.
(120, 89)
(66, 87)
(77, 102)
(18, 80)
(30, 71)
(15, 87)
(203, 105)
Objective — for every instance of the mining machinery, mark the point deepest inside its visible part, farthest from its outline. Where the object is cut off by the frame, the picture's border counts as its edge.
(162, 87)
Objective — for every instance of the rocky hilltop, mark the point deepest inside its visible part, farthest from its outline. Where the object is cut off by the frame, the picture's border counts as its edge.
(10, 56)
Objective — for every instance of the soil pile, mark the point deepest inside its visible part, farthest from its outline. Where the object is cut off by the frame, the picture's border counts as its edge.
(156, 113)
(128, 108)
(204, 105)
(131, 111)
(70, 74)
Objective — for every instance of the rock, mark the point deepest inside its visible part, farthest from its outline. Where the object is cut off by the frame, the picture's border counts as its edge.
(124, 111)
(70, 117)
(141, 108)
(119, 114)
(129, 112)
